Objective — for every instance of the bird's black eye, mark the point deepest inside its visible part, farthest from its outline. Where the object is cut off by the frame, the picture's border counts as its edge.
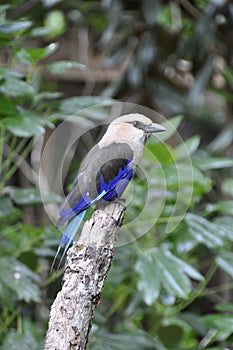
(135, 123)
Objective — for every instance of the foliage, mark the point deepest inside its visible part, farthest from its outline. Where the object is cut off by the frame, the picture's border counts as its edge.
(164, 290)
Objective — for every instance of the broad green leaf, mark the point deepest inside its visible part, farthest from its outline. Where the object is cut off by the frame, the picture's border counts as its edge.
(48, 95)
(29, 196)
(208, 163)
(20, 239)
(225, 262)
(221, 322)
(227, 186)
(224, 307)
(7, 106)
(73, 105)
(224, 207)
(189, 270)
(149, 278)
(8, 213)
(190, 145)
(40, 31)
(6, 73)
(75, 119)
(170, 335)
(163, 152)
(34, 116)
(5, 207)
(19, 279)
(16, 88)
(62, 66)
(35, 54)
(20, 341)
(94, 113)
(222, 140)
(171, 126)
(159, 268)
(202, 183)
(23, 126)
(208, 233)
(44, 252)
(55, 21)
(11, 27)
(129, 341)
(174, 279)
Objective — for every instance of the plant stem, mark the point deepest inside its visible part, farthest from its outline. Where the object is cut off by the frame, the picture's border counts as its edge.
(15, 166)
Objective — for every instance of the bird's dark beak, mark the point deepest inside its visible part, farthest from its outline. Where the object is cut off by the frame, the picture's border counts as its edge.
(154, 128)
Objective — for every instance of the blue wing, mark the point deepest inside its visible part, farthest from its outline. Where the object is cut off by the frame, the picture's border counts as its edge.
(107, 190)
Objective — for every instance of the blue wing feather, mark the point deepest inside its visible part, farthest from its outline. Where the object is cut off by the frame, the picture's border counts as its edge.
(108, 191)
(116, 186)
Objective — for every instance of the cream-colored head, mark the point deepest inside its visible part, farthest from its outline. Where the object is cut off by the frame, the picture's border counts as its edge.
(133, 129)
(139, 121)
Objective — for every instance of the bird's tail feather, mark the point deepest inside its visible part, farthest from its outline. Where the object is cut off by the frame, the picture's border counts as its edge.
(71, 230)
(67, 237)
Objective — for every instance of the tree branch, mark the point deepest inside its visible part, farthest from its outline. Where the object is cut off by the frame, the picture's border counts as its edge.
(87, 265)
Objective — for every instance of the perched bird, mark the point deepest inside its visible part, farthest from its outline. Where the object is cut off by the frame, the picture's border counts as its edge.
(105, 171)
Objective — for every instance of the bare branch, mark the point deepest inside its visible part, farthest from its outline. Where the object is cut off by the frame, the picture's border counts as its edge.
(87, 265)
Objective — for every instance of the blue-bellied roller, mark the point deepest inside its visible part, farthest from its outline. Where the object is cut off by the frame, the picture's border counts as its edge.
(105, 171)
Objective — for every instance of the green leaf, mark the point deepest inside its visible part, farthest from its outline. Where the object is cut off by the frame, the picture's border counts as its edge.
(190, 146)
(29, 196)
(227, 186)
(16, 88)
(221, 322)
(7, 106)
(174, 279)
(224, 307)
(18, 341)
(19, 279)
(208, 233)
(62, 66)
(224, 207)
(225, 262)
(23, 126)
(73, 105)
(11, 27)
(5, 207)
(170, 335)
(189, 270)
(149, 278)
(208, 163)
(55, 21)
(8, 213)
(38, 53)
(129, 341)
(171, 126)
(222, 140)
(20, 239)
(159, 268)
(163, 152)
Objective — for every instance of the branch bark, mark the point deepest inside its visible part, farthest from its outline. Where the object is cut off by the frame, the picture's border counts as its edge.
(88, 262)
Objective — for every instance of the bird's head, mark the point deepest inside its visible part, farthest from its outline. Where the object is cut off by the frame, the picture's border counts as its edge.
(130, 128)
(140, 122)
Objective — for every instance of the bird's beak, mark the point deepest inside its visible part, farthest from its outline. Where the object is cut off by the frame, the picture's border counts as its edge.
(154, 128)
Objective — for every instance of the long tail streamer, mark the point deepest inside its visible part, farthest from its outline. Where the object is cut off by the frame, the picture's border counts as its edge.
(67, 237)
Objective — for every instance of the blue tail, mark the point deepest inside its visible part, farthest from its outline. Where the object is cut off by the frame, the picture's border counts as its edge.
(68, 236)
